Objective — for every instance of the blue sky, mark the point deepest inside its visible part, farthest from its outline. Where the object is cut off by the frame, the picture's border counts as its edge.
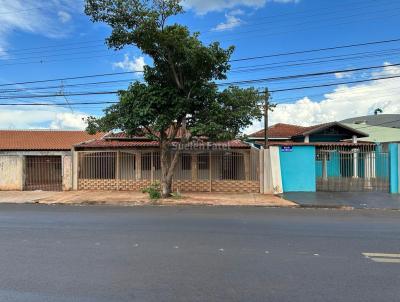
(54, 39)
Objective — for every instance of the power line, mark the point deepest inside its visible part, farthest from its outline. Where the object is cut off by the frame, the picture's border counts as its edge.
(265, 33)
(335, 84)
(114, 92)
(299, 13)
(235, 60)
(57, 95)
(324, 19)
(59, 104)
(316, 50)
(72, 78)
(128, 80)
(325, 59)
(251, 82)
(307, 75)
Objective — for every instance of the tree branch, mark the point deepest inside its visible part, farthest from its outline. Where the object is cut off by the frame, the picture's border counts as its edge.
(171, 64)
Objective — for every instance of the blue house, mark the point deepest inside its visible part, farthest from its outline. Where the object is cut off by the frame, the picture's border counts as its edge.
(326, 157)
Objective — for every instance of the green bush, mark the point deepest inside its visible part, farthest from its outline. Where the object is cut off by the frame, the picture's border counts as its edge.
(154, 191)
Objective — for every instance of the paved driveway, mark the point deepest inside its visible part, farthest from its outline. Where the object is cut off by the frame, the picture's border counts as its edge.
(358, 200)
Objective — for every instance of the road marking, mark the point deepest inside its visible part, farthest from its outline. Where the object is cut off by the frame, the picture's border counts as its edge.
(386, 260)
(381, 255)
(383, 258)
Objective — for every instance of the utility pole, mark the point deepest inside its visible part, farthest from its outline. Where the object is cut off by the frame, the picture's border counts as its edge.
(266, 109)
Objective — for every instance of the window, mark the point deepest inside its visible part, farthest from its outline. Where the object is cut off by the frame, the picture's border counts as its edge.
(146, 161)
(203, 161)
(186, 161)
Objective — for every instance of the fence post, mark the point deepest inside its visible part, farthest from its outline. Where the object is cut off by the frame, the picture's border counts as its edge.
(394, 168)
(210, 169)
(247, 165)
(118, 169)
(75, 167)
(138, 157)
(261, 170)
(355, 163)
(152, 167)
(194, 167)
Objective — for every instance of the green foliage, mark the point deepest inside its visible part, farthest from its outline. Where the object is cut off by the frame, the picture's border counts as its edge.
(153, 190)
(179, 89)
(180, 86)
(176, 195)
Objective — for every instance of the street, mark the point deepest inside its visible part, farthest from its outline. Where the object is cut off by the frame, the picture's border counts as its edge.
(105, 254)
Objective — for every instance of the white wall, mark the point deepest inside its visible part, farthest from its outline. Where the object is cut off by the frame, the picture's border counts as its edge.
(11, 173)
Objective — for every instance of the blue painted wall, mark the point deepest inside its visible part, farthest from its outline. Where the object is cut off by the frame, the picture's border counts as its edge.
(332, 165)
(298, 169)
(394, 173)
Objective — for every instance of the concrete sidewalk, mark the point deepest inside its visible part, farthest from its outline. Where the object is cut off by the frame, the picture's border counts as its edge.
(136, 198)
(356, 200)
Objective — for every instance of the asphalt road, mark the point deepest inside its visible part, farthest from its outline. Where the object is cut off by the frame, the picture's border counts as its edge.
(106, 254)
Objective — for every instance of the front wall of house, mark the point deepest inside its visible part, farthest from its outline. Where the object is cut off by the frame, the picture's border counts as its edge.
(12, 168)
(228, 186)
(67, 172)
(11, 173)
(298, 169)
(197, 172)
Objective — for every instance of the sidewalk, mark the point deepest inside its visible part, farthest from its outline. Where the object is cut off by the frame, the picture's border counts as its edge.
(136, 198)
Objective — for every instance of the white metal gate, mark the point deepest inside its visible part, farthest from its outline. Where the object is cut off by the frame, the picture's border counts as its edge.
(352, 169)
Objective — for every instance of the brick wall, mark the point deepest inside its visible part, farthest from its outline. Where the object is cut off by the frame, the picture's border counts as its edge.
(239, 186)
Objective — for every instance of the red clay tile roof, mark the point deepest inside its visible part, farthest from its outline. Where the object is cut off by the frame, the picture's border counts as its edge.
(101, 143)
(123, 135)
(36, 140)
(320, 144)
(280, 130)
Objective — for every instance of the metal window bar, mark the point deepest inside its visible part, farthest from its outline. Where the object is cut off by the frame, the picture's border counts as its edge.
(219, 165)
(352, 168)
(43, 173)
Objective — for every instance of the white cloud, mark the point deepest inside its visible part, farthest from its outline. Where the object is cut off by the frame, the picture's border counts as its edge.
(40, 117)
(202, 7)
(343, 75)
(343, 102)
(69, 120)
(64, 17)
(36, 17)
(232, 21)
(136, 64)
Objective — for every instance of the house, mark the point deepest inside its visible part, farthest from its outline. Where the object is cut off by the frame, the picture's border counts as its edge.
(378, 134)
(382, 120)
(327, 157)
(119, 162)
(327, 133)
(38, 159)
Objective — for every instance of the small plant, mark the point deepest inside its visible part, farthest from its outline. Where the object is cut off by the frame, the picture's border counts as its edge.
(176, 195)
(154, 191)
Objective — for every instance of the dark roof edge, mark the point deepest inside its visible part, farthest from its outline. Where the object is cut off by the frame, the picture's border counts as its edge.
(324, 126)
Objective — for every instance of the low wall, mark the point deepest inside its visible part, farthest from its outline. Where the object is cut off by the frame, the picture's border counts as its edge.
(11, 173)
(394, 156)
(223, 186)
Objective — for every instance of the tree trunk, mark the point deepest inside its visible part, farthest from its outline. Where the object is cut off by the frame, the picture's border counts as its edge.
(167, 170)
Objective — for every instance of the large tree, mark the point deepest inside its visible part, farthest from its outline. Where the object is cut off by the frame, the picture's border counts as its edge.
(178, 93)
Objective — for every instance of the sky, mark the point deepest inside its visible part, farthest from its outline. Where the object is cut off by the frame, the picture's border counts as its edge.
(54, 39)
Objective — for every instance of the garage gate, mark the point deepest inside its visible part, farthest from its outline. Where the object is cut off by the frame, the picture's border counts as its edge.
(352, 169)
(43, 173)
